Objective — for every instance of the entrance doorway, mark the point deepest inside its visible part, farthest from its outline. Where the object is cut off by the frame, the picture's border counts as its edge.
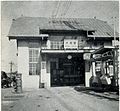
(68, 72)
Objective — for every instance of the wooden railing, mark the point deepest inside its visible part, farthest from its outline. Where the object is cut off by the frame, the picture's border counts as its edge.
(59, 45)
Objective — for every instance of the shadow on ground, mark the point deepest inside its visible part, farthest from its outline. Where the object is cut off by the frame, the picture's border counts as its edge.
(112, 96)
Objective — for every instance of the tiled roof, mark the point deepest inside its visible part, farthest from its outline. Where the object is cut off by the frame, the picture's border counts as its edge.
(31, 26)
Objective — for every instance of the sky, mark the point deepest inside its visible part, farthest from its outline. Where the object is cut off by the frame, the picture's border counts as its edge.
(103, 10)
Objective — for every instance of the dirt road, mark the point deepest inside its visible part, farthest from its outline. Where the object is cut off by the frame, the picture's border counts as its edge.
(62, 99)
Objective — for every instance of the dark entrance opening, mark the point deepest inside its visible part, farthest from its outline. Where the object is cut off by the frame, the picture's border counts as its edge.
(68, 71)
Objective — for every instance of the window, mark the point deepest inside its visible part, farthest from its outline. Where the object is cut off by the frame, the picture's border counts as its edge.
(33, 58)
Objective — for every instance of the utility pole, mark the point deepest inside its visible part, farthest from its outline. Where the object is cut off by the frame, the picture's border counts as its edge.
(11, 66)
(115, 66)
(114, 24)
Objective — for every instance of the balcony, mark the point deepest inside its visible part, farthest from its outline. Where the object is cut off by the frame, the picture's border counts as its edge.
(62, 47)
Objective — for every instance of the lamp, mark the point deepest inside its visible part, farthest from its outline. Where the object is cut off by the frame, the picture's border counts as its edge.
(69, 57)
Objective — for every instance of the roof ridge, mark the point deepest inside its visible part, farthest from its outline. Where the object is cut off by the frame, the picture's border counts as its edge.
(28, 17)
(59, 18)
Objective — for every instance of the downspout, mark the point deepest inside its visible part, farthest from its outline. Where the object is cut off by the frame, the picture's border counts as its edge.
(40, 59)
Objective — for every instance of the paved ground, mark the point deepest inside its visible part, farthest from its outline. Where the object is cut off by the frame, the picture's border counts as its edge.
(56, 99)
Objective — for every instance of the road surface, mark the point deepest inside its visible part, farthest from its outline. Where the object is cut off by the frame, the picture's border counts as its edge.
(61, 99)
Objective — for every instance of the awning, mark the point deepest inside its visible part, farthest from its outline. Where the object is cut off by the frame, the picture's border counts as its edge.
(101, 59)
(103, 49)
(105, 53)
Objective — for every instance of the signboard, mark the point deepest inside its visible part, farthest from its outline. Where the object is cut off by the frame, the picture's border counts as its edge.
(86, 56)
(70, 44)
(115, 42)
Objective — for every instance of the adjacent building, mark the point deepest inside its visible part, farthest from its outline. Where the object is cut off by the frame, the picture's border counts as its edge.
(57, 51)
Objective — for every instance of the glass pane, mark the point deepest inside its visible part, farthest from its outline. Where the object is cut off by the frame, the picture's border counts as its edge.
(30, 59)
(30, 72)
(30, 53)
(36, 52)
(30, 65)
(34, 65)
(34, 60)
(30, 69)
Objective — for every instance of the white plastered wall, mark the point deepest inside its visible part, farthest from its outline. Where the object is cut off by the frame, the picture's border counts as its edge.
(28, 81)
(45, 76)
(48, 75)
(88, 74)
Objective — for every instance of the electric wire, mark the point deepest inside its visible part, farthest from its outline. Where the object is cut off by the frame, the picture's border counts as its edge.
(65, 5)
(54, 9)
(59, 3)
(67, 8)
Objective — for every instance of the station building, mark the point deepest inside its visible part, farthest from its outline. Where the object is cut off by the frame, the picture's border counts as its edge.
(56, 51)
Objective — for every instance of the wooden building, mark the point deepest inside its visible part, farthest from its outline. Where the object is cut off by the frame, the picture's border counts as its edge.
(56, 52)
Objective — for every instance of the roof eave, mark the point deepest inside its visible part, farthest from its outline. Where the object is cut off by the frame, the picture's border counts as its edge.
(28, 36)
(99, 36)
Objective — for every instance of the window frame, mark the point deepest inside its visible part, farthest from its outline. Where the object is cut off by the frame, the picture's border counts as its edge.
(33, 57)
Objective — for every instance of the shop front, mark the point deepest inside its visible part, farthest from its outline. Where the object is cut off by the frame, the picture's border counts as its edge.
(66, 69)
(105, 66)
